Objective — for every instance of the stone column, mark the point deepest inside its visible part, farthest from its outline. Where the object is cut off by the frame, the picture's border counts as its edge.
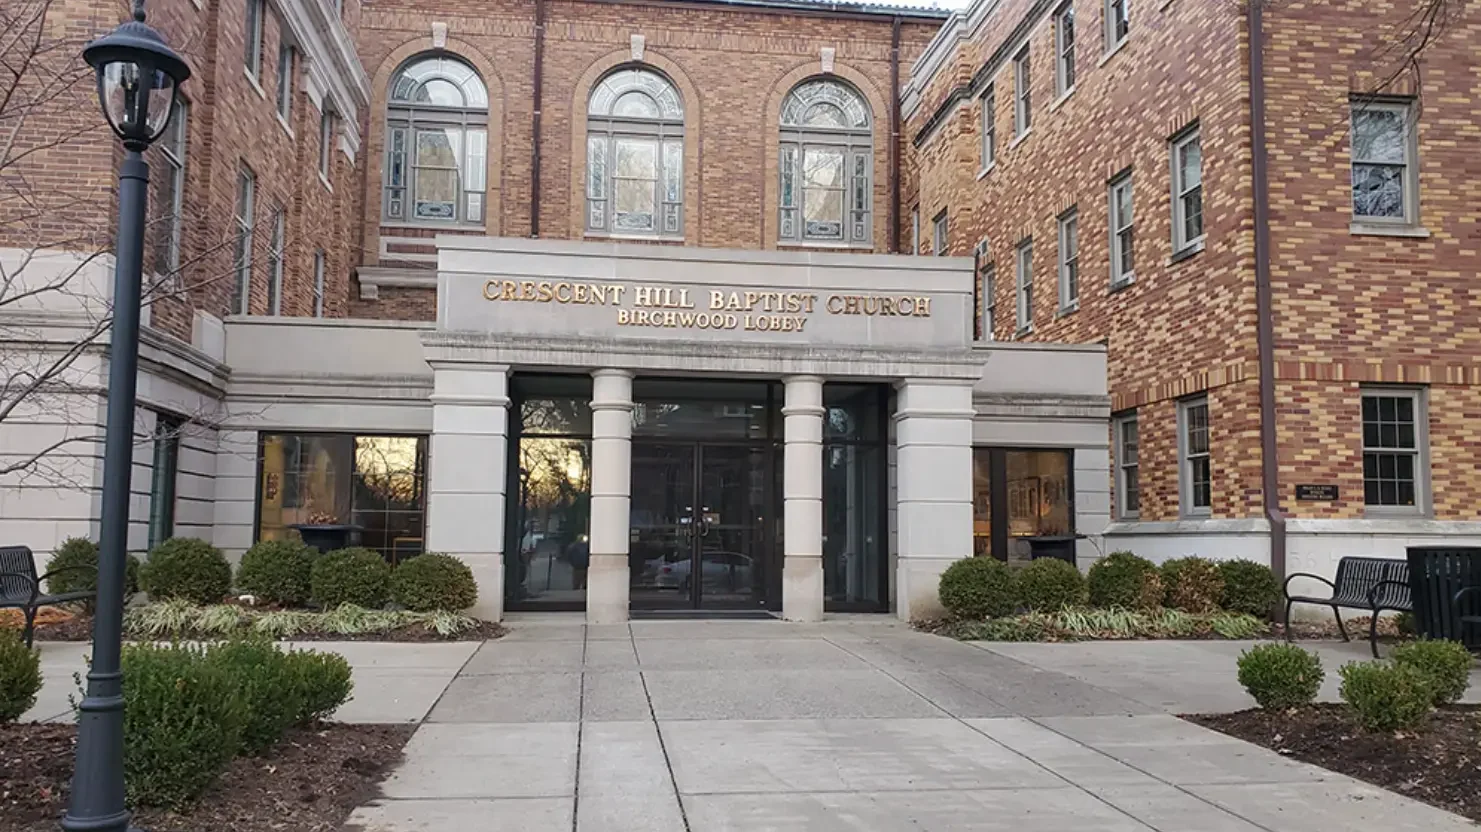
(611, 489)
(933, 438)
(802, 488)
(467, 473)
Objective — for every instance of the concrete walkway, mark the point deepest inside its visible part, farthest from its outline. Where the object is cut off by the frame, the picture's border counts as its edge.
(850, 725)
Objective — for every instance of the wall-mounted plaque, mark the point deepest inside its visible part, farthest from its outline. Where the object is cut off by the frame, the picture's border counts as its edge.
(1324, 493)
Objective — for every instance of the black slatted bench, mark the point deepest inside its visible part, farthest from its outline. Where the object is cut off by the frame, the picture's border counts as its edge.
(1370, 584)
(20, 586)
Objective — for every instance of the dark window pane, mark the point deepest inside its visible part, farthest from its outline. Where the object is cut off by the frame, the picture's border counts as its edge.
(1387, 409)
(1387, 467)
(1370, 492)
(853, 546)
(982, 502)
(1405, 465)
(1370, 409)
(1406, 493)
(1388, 493)
(1370, 466)
(1388, 435)
(1406, 436)
(1370, 434)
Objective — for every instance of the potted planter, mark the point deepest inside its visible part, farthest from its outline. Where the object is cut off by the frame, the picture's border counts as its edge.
(326, 533)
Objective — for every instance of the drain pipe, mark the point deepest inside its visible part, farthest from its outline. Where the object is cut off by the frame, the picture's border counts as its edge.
(539, 80)
(893, 222)
(1265, 332)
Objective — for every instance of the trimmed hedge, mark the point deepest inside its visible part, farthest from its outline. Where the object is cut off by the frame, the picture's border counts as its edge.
(1050, 584)
(1446, 663)
(20, 676)
(1387, 697)
(1121, 579)
(183, 567)
(321, 682)
(81, 552)
(277, 571)
(1280, 675)
(433, 581)
(1192, 584)
(979, 588)
(350, 576)
(1249, 587)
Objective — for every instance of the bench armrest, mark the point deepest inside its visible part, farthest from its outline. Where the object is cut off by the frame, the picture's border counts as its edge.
(1373, 591)
(1285, 585)
(1455, 602)
(30, 579)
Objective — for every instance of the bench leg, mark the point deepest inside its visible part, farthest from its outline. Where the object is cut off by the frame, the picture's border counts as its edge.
(1373, 633)
(1341, 628)
(29, 634)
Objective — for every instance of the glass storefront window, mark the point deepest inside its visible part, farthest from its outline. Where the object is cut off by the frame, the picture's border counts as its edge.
(854, 531)
(553, 520)
(1023, 503)
(377, 483)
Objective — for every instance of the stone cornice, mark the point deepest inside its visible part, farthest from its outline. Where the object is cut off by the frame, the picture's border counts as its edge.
(372, 278)
(334, 68)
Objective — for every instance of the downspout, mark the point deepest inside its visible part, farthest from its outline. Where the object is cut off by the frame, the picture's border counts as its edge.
(539, 80)
(893, 224)
(1265, 332)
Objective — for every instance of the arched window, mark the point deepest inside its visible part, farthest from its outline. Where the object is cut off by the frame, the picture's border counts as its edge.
(825, 165)
(436, 143)
(635, 155)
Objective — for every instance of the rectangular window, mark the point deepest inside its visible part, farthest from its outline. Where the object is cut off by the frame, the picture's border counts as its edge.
(1394, 450)
(326, 142)
(1128, 488)
(319, 284)
(1069, 260)
(1064, 49)
(1384, 162)
(255, 12)
(938, 234)
(1018, 495)
(171, 197)
(162, 478)
(1196, 471)
(989, 103)
(1022, 104)
(275, 247)
(1120, 223)
(1118, 25)
(286, 60)
(242, 288)
(915, 230)
(1025, 284)
(989, 300)
(1187, 191)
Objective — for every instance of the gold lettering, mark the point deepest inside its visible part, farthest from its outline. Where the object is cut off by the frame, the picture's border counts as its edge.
(686, 319)
(543, 292)
(668, 319)
(801, 322)
(507, 289)
(526, 290)
(717, 299)
(599, 294)
(491, 290)
(731, 322)
(562, 292)
(906, 306)
(851, 305)
(640, 316)
(923, 307)
(622, 316)
(643, 296)
(581, 293)
(751, 298)
(886, 306)
(616, 290)
(834, 304)
(734, 301)
(807, 302)
(684, 299)
(871, 305)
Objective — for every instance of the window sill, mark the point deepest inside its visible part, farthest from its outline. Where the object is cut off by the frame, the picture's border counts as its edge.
(1110, 53)
(641, 238)
(252, 79)
(1018, 139)
(431, 225)
(1063, 97)
(830, 246)
(1066, 311)
(1022, 331)
(989, 169)
(1197, 514)
(1187, 252)
(1123, 283)
(325, 181)
(283, 123)
(1378, 229)
(1394, 513)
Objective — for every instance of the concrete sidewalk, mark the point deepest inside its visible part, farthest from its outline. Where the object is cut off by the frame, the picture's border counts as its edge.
(694, 726)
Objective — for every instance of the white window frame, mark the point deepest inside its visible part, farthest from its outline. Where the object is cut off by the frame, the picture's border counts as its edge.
(988, 124)
(1023, 270)
(173, 148)
(987, 275)
(1410, 175)
(1184, 194)
(1122, 243)
(246, 197)
(319, 268)
(1064, 49)
(1127, 465)
(276, 246)
(1420, 452)
(1069, 261)
(1186, 460)
(256, 12)
(939, 234)
(287, 60)
(326, 142)
(1022, 93)
(1113, 39)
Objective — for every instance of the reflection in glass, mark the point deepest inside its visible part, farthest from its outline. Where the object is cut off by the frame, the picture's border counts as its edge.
(852, 548)
(1038, 490)
(981, 502)
(554, 521)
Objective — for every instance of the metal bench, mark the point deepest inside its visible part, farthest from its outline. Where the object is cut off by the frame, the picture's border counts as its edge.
(1372, 584)
(20, 586)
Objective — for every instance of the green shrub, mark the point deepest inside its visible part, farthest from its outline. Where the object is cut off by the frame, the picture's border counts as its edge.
(277, 571)
(1249, 587)
(182, 722)
(184, 567)
(1387, 697)
(20, 676)
(262, 676)
(1192, 584)
(1121, 579)
(1447, 663)
(979, 588)
(1404, 624)
(349, 576)
(1050, 584)
(79, 556)
(1280, 675)
(433, 582)
(321, 683)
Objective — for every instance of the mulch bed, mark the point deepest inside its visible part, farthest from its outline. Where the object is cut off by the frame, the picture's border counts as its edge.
(1439, 764)
(80, 628)
(309, 782)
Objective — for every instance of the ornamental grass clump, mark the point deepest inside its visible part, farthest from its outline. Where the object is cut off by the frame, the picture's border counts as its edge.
(979, 588)
(184, 567)
(350, 576)
(1280, 676)
(1050, 585)
(277, 571)
(1249, 587)
(1121, 579)
(1387, 696)
(1446, 663)
(1192, 584)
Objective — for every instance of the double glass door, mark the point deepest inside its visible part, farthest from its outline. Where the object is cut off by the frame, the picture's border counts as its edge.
(699, 511)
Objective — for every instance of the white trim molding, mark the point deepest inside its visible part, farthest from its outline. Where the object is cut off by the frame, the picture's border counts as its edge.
(372, 278)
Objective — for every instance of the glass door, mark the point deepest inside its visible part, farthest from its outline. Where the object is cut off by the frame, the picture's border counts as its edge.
(662, 530)
(732, 513)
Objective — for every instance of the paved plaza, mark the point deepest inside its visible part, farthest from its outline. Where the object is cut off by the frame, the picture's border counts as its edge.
(855, 724)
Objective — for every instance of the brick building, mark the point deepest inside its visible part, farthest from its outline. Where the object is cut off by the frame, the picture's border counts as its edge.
(1098, 161)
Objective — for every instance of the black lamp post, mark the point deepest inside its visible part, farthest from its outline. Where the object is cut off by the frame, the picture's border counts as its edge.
(138, 74)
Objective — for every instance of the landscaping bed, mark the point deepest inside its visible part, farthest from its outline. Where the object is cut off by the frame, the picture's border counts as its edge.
(69, 626)
(1438, 762)
(309, 781)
